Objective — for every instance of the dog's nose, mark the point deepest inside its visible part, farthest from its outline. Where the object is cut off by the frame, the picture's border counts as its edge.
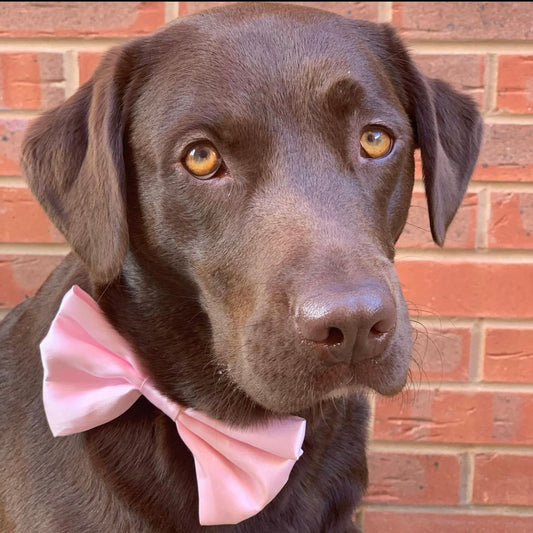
(348, 323)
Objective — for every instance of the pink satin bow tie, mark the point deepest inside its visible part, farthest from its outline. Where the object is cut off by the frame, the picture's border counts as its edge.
(91, 377)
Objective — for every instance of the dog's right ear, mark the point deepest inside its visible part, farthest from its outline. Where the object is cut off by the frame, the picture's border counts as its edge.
(73, 159)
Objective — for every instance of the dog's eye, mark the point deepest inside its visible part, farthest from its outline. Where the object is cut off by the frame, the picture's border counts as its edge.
(202, 160)
(375, 143)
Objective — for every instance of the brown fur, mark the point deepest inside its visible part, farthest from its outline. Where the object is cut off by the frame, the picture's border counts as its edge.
(210, 280)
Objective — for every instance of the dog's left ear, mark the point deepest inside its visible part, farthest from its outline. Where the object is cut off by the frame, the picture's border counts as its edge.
(447, 129)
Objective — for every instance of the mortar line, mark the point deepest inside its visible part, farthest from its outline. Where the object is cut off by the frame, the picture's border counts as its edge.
(171, 11)
(466, 479)
(59, 44)
(491, 83)
(472, 509)
(385, 12)
(456, 322)
(483, 218)
(447, 448)
(428, 386)
(513, 119)
(496, 255)
(443, 46)
(34, 249)
(16, 182)
(72, 72)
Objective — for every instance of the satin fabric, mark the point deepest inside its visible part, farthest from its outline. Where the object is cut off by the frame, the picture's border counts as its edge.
(91, 376)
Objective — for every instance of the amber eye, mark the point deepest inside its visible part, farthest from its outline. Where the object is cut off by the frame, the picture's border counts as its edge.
(375, 142)
(202, 160)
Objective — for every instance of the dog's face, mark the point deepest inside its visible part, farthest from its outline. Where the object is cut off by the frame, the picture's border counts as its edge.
(265, 155)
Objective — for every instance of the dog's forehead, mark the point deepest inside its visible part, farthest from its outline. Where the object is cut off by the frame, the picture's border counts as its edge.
(258, 53)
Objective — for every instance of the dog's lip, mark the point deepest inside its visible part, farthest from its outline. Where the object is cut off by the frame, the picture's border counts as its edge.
(373, 373)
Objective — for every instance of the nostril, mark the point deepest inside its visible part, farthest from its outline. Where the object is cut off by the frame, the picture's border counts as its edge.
(380, 328)
(334, 337)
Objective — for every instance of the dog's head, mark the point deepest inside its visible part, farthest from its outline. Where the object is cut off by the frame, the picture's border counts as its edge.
(260, 158)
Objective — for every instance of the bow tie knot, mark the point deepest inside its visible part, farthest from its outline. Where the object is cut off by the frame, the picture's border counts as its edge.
(91, 377)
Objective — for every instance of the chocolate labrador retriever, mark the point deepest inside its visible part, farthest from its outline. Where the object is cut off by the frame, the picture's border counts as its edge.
(232, 188)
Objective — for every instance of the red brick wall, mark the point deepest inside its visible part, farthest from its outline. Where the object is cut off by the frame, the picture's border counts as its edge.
(455, 451)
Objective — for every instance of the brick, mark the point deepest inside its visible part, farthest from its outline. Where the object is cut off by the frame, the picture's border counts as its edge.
(464, 20)
(31, 80)
(11, 134)
(511, 220)
(413, 479)
(80, 19)
(461, 233)
(515, 83)
(478, 417)
(87, 62)
(377, 521)
(501, 479)
(457, 288)
(508, 356)
(358, 10)
(23, 220)
(506, 153)
(21, 276)
(440, 355)
(465, 73)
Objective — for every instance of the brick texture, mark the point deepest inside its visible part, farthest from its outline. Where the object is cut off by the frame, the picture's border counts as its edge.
(413, 522)
(31, 80)
(515, 83)
(467, 288)
(478, 417)
(440, 354)
(461, 233)
(80, 19)
(413, 479)
(508, 355)
(511, 220)
(454, 451)
(503, 479)
(464, 20)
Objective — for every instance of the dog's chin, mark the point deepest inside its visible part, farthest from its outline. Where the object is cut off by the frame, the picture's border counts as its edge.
(385, 375)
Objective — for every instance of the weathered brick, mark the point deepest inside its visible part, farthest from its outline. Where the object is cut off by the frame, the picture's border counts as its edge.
(87, 63)
(511, 220)
(463, 72)
(23, 220)
(506, 153)
(508, 355)
(503, 479)
(358, 10)
(21, 276)
(461, 233)
(376, 521)
(413, 478)
(480, 417)
(80, 19)
(464, 20)
(515, 83)
(31, 80)
(440, 355)
(457, 288)
(11, 134)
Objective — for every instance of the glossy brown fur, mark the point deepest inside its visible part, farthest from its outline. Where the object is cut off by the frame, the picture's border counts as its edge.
(202, 276)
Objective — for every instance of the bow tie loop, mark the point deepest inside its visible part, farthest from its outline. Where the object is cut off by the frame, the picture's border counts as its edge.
(91, 377)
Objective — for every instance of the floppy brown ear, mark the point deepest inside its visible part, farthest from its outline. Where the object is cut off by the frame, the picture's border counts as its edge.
(448, 131)
(73, 159)
(446, 124)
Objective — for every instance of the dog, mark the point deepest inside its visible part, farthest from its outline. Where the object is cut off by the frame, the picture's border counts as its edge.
(232, 188)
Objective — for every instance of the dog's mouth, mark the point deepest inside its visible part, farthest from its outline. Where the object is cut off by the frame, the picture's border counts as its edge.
(292, 389)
